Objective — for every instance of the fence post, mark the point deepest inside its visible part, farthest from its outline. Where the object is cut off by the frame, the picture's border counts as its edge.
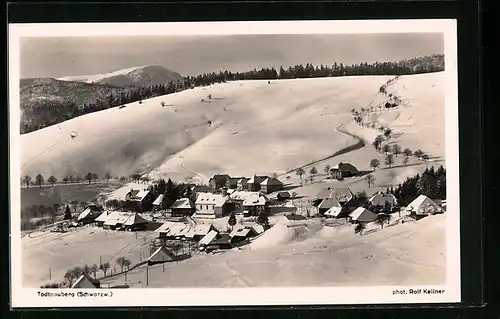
(50, 273)
(163, 263)
(147, 275)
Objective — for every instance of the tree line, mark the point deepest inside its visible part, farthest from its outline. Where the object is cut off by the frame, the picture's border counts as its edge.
(52, 180)
(53, 111)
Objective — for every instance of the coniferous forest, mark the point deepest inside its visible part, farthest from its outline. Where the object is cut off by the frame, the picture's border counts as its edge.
(46, 102)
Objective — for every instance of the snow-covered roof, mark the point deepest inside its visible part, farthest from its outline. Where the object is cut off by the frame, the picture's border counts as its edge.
(182, 203)
(208, 238)
(127, 219)
(158, 200)
(255, 200)
(174, 229)
(423, 204)
(259, 229)
(240, 232)
(271, 181)
(334, 211)
(103, 217)
(242, 195)
(162, 254)
(381, 199)
(362, 214)
(213, 199)
(328, 203)
(138, 195)
(85, 281)
(89, 213)
(341, 194)
(199, 230)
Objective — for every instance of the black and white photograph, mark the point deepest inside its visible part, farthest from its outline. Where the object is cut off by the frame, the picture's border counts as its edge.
(249, 163)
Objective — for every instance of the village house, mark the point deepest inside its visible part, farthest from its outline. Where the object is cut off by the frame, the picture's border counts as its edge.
(125, 221)
(89, 214)
(161, 255)
(232, 182)
(326, 205)
(199, 231)
(207, 239)
(86, 282)
(343, 195)
(423, 206)
(158, 202)
(343, 170)
(218, 181)
(140, 199)
(242, 183)
(381, 199)
(212, 205)
(253, 184)
(284, 195)
(271, 185)
(221, 241)
(242, 233)
(362, 215)
(101, 219)
(255, 205)
(182, 207)
(173, 230)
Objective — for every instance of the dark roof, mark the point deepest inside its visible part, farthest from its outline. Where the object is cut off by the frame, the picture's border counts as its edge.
(221, 239)
(133, 193)
(220, 177)
(295, 217)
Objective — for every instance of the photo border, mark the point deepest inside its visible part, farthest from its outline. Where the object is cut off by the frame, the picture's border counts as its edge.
(471, 137)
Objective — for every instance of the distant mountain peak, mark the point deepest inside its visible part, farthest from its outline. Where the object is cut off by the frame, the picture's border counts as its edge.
(144, 75)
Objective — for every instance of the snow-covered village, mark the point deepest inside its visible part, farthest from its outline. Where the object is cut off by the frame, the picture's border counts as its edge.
(294, 174)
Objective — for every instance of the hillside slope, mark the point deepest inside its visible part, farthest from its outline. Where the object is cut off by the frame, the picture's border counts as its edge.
(246, 127)
(138, 76)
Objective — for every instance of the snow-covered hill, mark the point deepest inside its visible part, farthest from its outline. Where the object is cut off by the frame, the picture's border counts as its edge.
(137, 76)
(246, 127)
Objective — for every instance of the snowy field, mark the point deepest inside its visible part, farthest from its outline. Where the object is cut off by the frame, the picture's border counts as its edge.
(403, 254)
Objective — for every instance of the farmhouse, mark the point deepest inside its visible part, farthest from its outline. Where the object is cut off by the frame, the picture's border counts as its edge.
(158, 202)
(89, 214)
(239, 234)
(212, 205)
(254, 183)
(182, 207)
(218, 181)
(199, 231)
(423, 205)
(271, 185)
(101, 219)
(172, 230)
(239, 197)
(221, 241)
(205, 241)
(232, 182)
(161, 255)
(242, 183)
(86, 282)
(140, 198)
(381, 199)
(127, 221)
(284, 195)
(200, 189)
(362, 215)
(343, 170)
(254, 205)
(342, 195)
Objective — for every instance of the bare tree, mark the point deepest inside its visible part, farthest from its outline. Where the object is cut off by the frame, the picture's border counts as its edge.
(389, 160)
(425, 157)
(313, 171)
(88, 177)
(300, 172)
(370, 179)
(405, 160)
(396, 149)
(107, 177)
(27, 180)
(327, 169)
(104, 268)
(407, 152)
(39, 180)
(386, 148)
(65, 179)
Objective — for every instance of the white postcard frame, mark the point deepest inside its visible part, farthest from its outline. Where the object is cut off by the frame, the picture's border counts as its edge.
(27, 297)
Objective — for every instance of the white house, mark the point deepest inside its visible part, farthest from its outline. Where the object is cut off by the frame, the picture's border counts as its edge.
(362, 215)
(423, 205)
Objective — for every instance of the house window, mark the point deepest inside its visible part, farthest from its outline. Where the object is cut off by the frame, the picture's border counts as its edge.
(207, 207)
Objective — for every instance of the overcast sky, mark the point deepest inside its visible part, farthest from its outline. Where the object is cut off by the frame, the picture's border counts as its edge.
(193, 55)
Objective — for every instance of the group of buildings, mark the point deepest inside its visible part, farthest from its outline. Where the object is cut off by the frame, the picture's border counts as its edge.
(340, 203)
